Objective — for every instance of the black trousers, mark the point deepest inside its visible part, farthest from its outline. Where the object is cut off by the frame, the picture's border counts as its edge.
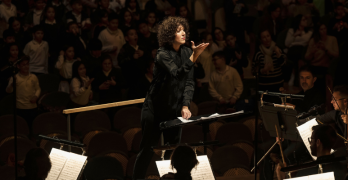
(151, 136)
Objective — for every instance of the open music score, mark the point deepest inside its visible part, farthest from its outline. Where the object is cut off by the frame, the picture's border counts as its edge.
(202, 172)
(305, 131)
(216, 115)
(323, 176)
(65, 165)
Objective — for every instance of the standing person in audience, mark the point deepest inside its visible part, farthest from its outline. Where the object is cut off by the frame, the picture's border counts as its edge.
(8, 38)
(80, 86)
(151, 20)
(219, 38)
(64, 64)
(171, 89)
(93, 59)
(101, 17)
(37, 164)
(225, 84)
(28, 91)
(112, 39)
(127, 20)
(268, 60)
(338, 25)
(184, 12)
(33, 18)
(272, 20)
(235, 55)
(108, 82)
(147, 38)
(73, 37)
(133, 7)
(298, 36)
(7, 10)
(132, 58)
(183, 160)
(77, 15)
(59, 9)
(37, 50)
(21, 36)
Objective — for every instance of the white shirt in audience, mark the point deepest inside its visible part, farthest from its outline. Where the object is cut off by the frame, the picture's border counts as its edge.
(38, 53)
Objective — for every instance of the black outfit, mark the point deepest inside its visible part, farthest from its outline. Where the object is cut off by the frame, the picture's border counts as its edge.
(334, 117)
(341, 35)
(98, 28)
(181, 176)
(59, 11)
(150, 42)
(140, 89)
(113, 94)
(312, 97)
(231, 56)
(52, 33)
(171, 88)
(76, 41)
(92, 64)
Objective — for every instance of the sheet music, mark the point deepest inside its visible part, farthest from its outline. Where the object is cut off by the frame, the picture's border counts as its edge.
(202, 172)
(65, 165)
(209, 117)
(305, 131)
(323, 176)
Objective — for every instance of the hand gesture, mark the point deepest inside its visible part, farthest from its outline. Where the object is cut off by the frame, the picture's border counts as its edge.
(198, 49)
(88, 83)
(238, 55)
(278, 51)
(33, 100)
(112, 82)
(61, 53)
(344, 118)
(233, 101)
(185, 112)
(297, 33)
(104, 86)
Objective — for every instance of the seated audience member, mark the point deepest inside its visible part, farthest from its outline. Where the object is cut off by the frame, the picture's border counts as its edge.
(108, 82)
(93, 59)
(80, 86)
(143, 84)
(268, 60)
(151, 20)
(112, 39)
(28, 91)
(101, 18)
(338, 26)
(37, 165)
(37, 50)
(147, 38)
(183, 160)
(321, 142)
(64, 65)
(7, 10)
(235, 55)
(313, 95)
(131, 58)
(219, 38)
(76, 15)
(126, 21)
(73, 37)
(321, 51)
(59, 9)
(33, 18)
(225, 84)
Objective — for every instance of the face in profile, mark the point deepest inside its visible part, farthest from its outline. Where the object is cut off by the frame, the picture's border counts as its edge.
(180, 35)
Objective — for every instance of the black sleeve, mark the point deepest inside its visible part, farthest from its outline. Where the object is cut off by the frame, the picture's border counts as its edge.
(199, 71)
(189, 89)
(328, 118)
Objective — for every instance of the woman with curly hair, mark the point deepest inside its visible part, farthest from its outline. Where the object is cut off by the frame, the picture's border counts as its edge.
(171, 89)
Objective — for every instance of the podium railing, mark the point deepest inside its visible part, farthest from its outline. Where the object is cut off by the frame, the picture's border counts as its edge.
(96, 107)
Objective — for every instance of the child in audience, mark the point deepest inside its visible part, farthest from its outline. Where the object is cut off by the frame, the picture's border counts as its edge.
(112, 39)
(102, 22)
(28, 91)
(76, 15)
(7, 10)
(93, 59)
(116, 5)
(206, 57)
(64, 65)
(152, 21)
(131, 57)
(219, 38)
(33, 18)
(20, 36)
(147, 38)
(225, 84)
(133, 7)
(108, 82)
(59, 9)
(80, 86)
(8, 38)
(37, 50)
(338, 25)
(73, 37)
(234, 54)
(127, 21)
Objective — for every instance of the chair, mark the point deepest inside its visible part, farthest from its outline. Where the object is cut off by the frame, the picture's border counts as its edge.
(55, 101)
(200, 151)
(227, 157)
(193, 108)
(105, 142)
(48, 145)
(192, 134)
(6, 125)
(208, 107)
(237, 171)
(103, 167)
(247, 147)
(7, 173)
(121, 158)
(50, 122)
(91, 120)
(129, 134)
(6, 105)
(152, 171)
(250, 123)
(130, 166)
(127, 117)
(23, 146)
(214, 127)
(232, 132)
(136, 142)
(48, 83)
(88, 136)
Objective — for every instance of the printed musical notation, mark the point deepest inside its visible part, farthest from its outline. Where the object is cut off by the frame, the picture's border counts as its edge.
(202, 172)
(323, 176)
(216, 115)
(65, 165)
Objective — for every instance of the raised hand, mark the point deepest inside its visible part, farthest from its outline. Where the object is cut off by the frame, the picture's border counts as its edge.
(185, 112)
(198, 49)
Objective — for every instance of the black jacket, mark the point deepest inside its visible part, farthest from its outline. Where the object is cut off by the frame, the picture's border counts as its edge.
(334, 117)
(173, 84)
(312, 97)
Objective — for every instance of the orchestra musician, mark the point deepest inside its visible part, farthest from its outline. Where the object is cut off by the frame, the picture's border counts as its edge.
(171, 89)
(321, 142)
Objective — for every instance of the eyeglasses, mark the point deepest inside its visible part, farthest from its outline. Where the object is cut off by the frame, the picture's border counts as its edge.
(337, 99)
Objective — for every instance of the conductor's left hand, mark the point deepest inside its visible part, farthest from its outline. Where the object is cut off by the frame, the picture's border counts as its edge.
(185, 112)
(199, 48)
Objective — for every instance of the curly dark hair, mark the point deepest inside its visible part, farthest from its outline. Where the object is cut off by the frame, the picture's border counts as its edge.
(167, 30)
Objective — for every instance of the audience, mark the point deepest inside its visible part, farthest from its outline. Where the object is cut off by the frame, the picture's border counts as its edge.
(338, 26)
(64, 65)
(7, 10)
(73, 36)
(34, 16)
(80, 86)
(92, 60)
(151, 20)
(219, 38)
(206, 58)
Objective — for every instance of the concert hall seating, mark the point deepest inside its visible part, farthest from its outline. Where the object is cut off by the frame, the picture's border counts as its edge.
(7, 147)
(214, 127)
(106, 142)
(48, 83)
(54, 101)
(129, 135)
(152, 171)
(48, 145)
(126, 118)
(208, 107)
(49, 122)
(103, 167)
(6, 126)
(6, 105)
(247, 147)
(232, 132)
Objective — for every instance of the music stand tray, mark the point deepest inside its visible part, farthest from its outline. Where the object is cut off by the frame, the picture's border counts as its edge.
(284, 118)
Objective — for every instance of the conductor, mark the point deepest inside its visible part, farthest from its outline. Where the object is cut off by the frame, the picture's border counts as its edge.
(171, 89)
